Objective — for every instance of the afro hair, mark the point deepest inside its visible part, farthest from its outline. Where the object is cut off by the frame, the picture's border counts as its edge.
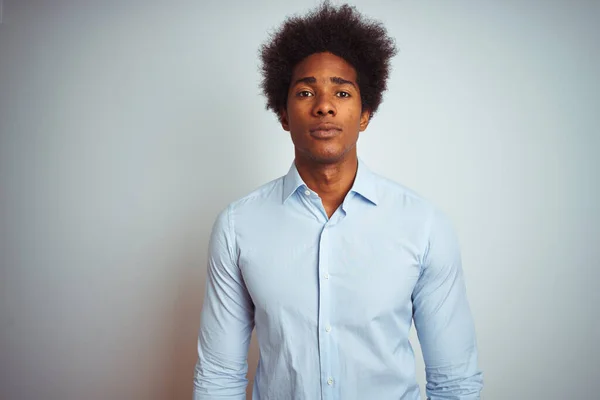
(342, 31)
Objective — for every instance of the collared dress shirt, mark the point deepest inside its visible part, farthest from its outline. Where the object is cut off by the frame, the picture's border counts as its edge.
(332, 299)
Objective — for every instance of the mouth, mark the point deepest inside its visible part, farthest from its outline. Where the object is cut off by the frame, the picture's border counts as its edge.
(325, 131)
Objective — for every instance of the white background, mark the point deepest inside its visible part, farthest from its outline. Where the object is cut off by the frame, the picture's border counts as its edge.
(125, 127)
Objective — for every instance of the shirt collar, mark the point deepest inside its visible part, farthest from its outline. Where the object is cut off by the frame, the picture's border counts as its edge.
(291, 182)
(364, 183)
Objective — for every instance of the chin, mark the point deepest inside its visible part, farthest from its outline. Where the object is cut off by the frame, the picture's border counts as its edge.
(327, 157)
(327, 154)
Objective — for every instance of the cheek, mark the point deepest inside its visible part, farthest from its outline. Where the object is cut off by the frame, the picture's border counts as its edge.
(297, 114)
(353, 116)
(353, 110)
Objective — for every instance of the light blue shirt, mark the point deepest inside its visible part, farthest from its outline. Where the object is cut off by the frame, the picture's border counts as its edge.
(332, 299)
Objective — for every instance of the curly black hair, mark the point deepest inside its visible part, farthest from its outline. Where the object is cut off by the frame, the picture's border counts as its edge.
(342, 31)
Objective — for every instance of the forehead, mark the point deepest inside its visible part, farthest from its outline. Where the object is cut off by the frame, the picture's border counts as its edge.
(324, 66)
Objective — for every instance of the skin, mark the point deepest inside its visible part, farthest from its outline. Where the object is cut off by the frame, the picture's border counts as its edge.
(324, 116)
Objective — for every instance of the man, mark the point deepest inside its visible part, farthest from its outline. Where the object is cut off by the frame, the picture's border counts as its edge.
(331, 262)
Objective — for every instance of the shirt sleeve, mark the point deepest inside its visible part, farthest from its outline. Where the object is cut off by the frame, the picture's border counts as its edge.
(226, 322)
(443, 318)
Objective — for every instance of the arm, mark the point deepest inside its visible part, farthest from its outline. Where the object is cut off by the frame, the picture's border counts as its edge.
(226, 323)
(443, 319)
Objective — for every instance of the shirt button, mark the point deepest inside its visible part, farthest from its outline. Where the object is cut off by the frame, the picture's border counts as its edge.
(330, 381)
(326, 276)
(328, 329)
(307, 192)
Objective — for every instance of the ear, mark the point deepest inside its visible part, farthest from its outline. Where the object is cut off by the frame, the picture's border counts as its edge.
(365, 117)
(283, 119)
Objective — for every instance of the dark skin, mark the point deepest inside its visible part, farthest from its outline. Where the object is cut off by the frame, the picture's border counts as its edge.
(324, 116)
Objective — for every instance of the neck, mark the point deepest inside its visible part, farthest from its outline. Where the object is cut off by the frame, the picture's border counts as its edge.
(331, 181)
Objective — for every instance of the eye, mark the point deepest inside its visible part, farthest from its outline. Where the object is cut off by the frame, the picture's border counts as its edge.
(304, 93)
(343, 94)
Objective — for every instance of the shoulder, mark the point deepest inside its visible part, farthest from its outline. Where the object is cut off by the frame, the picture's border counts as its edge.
(417, 212)
(396, 195)
(267, 194)
(264, 197)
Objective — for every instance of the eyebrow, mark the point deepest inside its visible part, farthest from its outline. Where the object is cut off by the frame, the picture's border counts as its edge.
(334, 79)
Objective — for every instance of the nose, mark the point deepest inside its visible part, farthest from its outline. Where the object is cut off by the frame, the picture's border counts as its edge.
(323, 107)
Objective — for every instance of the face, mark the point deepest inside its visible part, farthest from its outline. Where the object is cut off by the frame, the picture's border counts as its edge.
(324, 112)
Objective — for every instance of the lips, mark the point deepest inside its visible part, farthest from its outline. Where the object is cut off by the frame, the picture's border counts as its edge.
(325, 131)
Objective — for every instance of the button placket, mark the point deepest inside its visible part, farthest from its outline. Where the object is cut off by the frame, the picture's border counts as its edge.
(325, 343)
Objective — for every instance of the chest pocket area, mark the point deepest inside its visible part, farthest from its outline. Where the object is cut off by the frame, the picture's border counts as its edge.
(375, 279)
